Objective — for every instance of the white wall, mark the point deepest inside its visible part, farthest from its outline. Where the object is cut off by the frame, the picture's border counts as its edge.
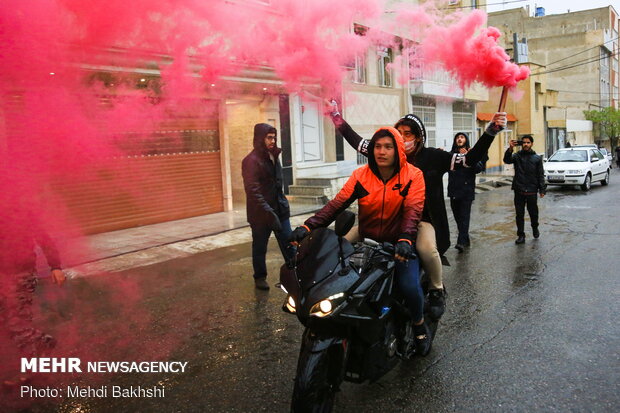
(443, 116)
(574, 125)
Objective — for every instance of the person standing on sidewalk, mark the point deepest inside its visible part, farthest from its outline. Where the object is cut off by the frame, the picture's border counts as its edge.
(461, 190)
(528, 181)
(267, 208)
(20, 233)
(618, 156)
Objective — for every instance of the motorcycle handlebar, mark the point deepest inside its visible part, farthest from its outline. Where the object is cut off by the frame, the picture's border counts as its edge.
(385, 247)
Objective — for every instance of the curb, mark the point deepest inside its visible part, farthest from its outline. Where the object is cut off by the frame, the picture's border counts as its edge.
(188, 247)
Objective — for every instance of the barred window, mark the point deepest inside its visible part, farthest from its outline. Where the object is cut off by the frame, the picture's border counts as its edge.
(385, 57)
(424, 108)
(463, 119)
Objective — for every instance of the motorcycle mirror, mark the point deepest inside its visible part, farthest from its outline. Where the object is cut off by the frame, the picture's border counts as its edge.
(344, 223)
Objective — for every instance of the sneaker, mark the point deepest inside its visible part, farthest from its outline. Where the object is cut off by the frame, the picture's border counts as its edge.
(261, 284)
(520, 240)
(436, 304)
(422, 339)
(459, 247)
(536, 232)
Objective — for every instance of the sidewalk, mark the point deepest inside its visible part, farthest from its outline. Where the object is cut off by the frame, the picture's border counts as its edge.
(136, 247)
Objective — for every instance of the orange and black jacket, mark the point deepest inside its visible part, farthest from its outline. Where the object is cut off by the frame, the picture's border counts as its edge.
(388, 211)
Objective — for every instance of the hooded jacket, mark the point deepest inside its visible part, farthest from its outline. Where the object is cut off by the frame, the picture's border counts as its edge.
(434, 163)
(262, 180)
(462, 181)
(529, 172)
(388, 211)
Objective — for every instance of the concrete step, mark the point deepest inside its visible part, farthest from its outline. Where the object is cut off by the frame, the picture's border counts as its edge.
(308, 190)
(483, 187)
(504, 182)
(326, 182)
(307, 199)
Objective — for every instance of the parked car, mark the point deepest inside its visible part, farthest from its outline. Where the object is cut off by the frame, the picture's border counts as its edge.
(607, 155)
(577, 166)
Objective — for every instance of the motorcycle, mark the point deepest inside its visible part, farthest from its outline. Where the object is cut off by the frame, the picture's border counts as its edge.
(357, 326)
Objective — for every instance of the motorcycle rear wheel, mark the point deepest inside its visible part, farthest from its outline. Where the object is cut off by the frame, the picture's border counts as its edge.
(316, 381)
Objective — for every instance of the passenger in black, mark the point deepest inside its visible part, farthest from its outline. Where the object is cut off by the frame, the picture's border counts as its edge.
(462, 190)
(433, 237)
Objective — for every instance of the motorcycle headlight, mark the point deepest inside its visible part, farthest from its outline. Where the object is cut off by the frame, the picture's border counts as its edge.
(290, 304)
(326, 307)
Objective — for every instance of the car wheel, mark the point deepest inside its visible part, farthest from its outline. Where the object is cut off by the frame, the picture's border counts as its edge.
(605, 181)
(587, 183)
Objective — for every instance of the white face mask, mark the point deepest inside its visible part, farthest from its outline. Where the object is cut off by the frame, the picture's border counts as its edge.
(409, 146)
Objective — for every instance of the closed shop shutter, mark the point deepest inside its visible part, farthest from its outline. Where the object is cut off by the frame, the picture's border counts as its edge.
(173, 173)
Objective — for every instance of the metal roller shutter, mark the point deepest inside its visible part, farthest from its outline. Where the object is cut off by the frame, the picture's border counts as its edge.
(174, 174)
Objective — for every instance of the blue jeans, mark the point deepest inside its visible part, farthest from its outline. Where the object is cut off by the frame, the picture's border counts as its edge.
(408, 278)
(260, 240)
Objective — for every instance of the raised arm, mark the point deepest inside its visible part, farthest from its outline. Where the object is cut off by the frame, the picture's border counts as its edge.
(481, 148)
(356, 141)
(508, 155)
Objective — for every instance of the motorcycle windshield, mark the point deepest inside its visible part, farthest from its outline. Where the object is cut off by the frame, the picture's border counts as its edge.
(317, 256)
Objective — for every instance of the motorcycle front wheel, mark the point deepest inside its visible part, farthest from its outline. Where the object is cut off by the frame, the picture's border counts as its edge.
(317, 379)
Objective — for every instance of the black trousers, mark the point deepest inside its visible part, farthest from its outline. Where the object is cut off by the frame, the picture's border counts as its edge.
(461, 208)
(16, 314)
(521, 201)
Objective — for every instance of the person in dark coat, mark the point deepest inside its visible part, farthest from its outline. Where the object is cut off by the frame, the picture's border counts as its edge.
(618, 156)
(20, 232)
(462, 190)
(267, 208)
(433, 238)
(529, 180)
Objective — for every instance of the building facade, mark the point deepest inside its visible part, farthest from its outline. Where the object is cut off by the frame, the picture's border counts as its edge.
(578, 54)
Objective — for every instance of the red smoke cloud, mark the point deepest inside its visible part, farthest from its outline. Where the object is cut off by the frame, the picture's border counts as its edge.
(470, 52)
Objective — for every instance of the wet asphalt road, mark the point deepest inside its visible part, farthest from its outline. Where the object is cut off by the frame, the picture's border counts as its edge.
(529, 327)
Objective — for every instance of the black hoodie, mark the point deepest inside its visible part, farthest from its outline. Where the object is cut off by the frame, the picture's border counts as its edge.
(462, 182)
(262, 180)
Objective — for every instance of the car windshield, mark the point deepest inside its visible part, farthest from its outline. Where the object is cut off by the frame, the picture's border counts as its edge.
(569, 156)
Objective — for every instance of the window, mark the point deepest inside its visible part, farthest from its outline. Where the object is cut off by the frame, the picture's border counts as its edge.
(605, 87)
(384, 55)
(424, 108)
(537, 92)
(359, 73)
(463, 119)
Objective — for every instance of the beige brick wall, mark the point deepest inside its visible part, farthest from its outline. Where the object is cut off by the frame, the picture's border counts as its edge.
(240, 121)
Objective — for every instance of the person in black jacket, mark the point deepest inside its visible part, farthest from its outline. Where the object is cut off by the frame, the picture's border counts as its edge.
(267, 207)
(529, 180)
(20, 232)
(461, 190)
(433, 237)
